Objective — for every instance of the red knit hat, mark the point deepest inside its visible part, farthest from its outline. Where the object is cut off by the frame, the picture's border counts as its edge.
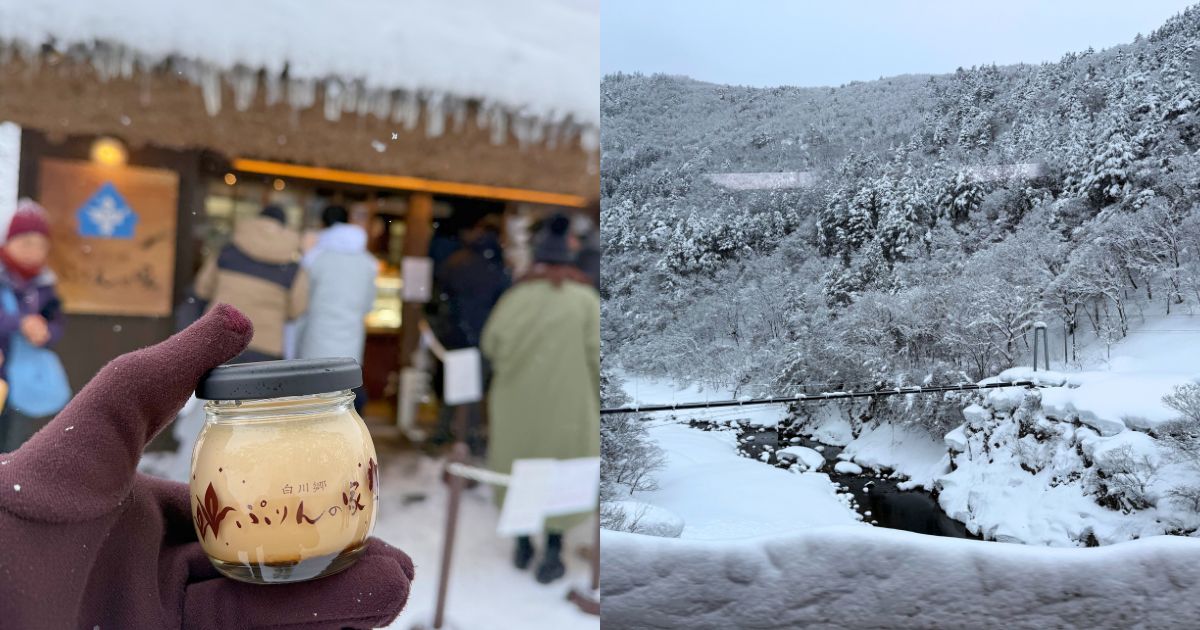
(29, 217)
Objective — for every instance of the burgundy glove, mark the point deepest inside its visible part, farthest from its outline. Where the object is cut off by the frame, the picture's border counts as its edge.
(85, 541)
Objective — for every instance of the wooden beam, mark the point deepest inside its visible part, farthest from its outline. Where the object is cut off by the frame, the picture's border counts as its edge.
(402, 182)
(418, 231)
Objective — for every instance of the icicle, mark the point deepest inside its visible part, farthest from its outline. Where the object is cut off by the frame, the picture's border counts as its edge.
(333, 102)
(406, 109)
(210, 88)
(538, 130)
(32, 59)
(553, 131)
(126, 59)
(498, 124)
(435, 116)
(589, 138)
(302, 93)
(483, 114)
(143, 64)
(350, 96)
(274, 86)
(245, 85)
(458, 112)
(366, 101)
(521, 130)
(381, 104)
(106, 60)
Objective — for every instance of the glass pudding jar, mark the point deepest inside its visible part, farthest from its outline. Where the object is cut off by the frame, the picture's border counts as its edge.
(284, 477)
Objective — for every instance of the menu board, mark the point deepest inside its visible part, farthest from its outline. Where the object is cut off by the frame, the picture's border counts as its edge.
(112, 236)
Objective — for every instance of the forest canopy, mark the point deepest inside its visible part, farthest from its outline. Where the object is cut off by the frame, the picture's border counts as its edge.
(946, 215)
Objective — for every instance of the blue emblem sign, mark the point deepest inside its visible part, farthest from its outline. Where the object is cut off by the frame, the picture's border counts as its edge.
(106, 215)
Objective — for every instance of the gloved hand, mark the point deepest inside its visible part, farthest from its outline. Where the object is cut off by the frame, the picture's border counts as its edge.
(87, 542)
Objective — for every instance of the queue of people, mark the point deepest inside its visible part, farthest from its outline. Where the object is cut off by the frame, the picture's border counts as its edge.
(305, 303)
(539, 334)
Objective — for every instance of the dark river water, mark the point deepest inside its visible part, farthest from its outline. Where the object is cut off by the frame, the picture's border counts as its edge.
(876, 497)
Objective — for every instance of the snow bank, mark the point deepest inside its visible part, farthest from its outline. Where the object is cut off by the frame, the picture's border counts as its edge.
(956, 440)
(720, 495)
(1043, 378)
(847, 468)
(1022, 475)
(532, 57)
(650, 520)
(828, 424)
(1112, 401)
(908, 450)
(806, 458)
(859, 577)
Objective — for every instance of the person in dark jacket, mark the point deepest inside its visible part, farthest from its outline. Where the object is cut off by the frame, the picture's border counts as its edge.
(37, 313)
(472, 280)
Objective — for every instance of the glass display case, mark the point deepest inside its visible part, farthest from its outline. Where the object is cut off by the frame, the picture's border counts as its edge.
(385, 314)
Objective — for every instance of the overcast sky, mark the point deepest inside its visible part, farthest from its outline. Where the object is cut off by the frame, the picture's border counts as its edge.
(827, 42)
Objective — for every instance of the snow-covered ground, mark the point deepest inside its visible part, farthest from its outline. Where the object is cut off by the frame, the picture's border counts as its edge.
(486, 591)
(868, 577)
(720, 495)
(1013, 474)
(764, 547)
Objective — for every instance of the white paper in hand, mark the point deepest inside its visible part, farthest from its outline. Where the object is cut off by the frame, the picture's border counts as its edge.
(523, 513)
(463, 381)
(417, 275)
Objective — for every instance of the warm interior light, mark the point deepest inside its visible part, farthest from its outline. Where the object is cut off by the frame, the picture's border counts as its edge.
(109, 152)
(230, 179)
(279, 184)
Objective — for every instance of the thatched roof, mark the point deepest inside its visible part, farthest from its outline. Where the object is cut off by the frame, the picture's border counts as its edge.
(478, 91)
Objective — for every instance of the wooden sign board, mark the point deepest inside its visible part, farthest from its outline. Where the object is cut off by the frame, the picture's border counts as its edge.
(112, 236)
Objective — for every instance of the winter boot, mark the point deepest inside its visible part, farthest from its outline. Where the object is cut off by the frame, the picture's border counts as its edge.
(552, 566)
(523, 553)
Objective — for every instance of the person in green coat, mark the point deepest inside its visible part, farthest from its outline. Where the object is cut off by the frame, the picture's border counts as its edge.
(543, 342)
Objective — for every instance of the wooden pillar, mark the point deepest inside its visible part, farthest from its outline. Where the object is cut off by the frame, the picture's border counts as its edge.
(418, 231)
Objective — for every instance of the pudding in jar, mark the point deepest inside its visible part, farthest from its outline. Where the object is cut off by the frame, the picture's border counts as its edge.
(284, 477)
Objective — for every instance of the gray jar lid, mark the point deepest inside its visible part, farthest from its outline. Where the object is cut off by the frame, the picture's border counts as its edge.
(277, 379)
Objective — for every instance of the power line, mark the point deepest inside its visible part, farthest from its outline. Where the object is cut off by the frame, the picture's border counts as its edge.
(898, 391)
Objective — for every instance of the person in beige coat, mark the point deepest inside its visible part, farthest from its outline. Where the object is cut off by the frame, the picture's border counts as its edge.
(259, 273)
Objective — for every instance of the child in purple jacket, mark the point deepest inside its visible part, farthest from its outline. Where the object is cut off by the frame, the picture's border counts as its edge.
(38, 314)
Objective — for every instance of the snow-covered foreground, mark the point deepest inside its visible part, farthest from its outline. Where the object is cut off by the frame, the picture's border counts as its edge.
(864, 577)
(720, 495)
(486, 591)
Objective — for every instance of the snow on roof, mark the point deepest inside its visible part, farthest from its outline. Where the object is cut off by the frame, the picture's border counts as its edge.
(535, 60)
